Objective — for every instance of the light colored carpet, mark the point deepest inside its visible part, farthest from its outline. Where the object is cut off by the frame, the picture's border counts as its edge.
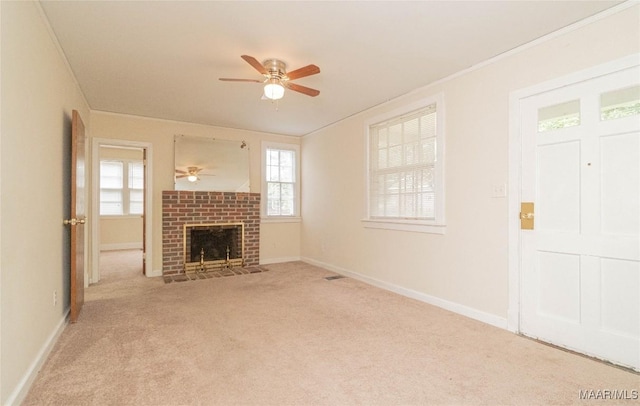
(290, 337)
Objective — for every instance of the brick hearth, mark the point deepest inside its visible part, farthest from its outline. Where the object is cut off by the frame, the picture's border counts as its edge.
(185, 207)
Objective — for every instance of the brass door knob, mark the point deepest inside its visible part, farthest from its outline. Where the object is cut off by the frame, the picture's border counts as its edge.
(73, 222)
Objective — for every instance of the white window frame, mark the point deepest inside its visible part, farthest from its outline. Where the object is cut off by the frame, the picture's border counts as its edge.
(295, 218)
(433, 226)
(126, 194)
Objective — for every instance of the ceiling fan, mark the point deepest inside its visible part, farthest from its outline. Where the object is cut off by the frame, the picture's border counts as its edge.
(192, 173)
(277, 78)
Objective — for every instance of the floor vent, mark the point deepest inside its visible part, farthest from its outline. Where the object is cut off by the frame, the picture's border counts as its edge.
(330, 278)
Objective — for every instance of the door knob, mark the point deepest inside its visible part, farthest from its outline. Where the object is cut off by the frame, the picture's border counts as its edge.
(73, 222)
(526, 215)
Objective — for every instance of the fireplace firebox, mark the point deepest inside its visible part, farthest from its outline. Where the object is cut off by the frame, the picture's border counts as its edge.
(208, 247)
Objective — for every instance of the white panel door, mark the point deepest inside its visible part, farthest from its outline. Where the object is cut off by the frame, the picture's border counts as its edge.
(580, 268)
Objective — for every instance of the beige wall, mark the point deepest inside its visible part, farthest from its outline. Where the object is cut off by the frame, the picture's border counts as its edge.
(118, 233)
(38, 96)
(276, 240)
(468, 265)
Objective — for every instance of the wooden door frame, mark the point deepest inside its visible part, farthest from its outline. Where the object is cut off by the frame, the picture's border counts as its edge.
(96, 143)
(515, 165)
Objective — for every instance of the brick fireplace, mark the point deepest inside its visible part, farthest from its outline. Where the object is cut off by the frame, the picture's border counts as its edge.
(180, 208)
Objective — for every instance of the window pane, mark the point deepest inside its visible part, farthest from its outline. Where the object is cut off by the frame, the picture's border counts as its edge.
(620, 103)
(428, 126)
(407, 201)
(286, 191)
(410, 154)
(136, 175)
(392, 183)
(286, 158)
(110, 195)
(110, 209)
(426, 179)
(273, 191)
(395, 134)
(382, 138)
(273, 199)
(382, 158)
(395, 156)
(411, 130)
(286, 207)
(272, 157)
(403, 156)
(111, 174)
(280, 178)
(392, 206)
(121, 187)
(286, 174)
(273, 207)
(110, 202)
(559, 116)
(273, 173)
(428, 151)
(136, 201)
(136, 208)
(426, 205)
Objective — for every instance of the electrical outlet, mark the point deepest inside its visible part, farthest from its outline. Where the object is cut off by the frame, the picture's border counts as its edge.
(499, 190)
(55, 298)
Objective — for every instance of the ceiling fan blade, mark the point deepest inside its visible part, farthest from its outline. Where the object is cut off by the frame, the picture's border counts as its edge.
(240, 80)
(181, 176)
(302, 89)
(256, 65)
(181, 171)
(302, 72)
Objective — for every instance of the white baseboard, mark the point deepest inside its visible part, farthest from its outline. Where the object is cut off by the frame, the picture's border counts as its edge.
(121, 246)
(20, 392)
(463, 310)
(278, 260)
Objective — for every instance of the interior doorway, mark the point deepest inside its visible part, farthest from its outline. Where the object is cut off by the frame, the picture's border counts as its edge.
(121, 201)
(121, 210)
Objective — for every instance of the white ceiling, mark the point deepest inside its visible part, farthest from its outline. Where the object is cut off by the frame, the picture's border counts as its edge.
(162, 59)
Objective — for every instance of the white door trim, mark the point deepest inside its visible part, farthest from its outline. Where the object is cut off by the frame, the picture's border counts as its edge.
(96, 143)
(515, 165)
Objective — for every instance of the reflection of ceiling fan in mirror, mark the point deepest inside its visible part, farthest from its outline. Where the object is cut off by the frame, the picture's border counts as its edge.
(276, 77)
(192, 173)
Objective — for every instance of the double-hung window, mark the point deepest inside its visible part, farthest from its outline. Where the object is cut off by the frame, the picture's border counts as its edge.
(121, 187)
(406, 168)
(281, 181)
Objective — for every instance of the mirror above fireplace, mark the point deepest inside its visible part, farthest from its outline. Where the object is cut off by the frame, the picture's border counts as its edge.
(209, 164)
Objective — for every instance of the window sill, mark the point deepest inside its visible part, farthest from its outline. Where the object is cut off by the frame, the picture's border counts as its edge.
(282, 219)
(415, 226)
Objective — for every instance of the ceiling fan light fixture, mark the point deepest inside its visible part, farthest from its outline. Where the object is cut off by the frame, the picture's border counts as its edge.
(277, 77)
(273, 90)
(192, 178)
